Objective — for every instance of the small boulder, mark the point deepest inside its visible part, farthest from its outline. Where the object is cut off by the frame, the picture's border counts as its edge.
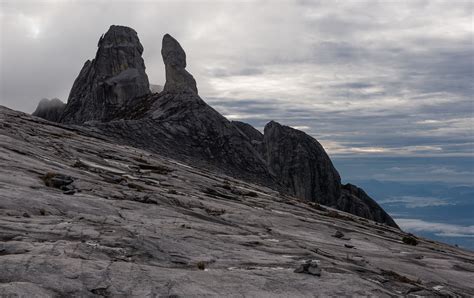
(60, 181)
(310, 267)
(57, 180)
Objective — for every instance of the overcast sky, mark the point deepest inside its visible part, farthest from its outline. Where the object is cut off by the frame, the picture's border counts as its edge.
(378, 78)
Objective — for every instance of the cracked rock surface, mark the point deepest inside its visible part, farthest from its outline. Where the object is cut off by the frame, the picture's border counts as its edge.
(141, 224)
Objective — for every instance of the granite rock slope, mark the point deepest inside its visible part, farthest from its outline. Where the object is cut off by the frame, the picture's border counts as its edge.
(50, 109)
(112, 96)
(255, 136)
(116, 74)
(143, 225)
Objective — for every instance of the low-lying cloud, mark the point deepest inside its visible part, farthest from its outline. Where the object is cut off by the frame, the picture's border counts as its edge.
(439, 229)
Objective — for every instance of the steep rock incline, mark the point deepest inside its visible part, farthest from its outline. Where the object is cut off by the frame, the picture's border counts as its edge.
(131, 223)
(115, 75)
(354, 200)
(174, 57)
(253, 134)
(300, 163)
(50, 109)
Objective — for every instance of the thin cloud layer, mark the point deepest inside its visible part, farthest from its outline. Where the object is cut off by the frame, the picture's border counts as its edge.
(439, 229)
(364, 78)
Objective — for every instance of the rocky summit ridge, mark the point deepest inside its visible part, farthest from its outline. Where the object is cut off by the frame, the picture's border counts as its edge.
(112, 95)
(128, 193)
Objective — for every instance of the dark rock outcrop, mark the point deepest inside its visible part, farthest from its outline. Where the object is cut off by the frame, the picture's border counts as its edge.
(253, 134)
(115, 75)
(174, 57)
(354, 200)
(300, 163)
(50, 109)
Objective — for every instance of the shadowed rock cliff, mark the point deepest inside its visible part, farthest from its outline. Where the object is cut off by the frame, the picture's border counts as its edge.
(253, 134)
(300, 163)
(354, 200)
(115, 75)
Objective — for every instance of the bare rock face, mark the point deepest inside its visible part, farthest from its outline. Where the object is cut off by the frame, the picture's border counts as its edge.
(355, 200)
(174, 57)
(115, 75)
(50, 109)
(300, 163)
(253, 134)
(145, 225)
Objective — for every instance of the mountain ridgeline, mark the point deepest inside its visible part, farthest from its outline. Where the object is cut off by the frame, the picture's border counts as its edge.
(112, 96)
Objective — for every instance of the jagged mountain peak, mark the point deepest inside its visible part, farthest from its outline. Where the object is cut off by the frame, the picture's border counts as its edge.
(116, 75)
(177, 77)
(120, 36)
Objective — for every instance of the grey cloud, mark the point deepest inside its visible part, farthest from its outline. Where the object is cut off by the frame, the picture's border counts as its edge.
(386, 77)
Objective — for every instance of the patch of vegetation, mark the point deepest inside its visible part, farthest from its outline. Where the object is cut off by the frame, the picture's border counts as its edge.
(214, 212)
(215, 193)
(42, 211)
(201, 265)
(79, 164)
(145, 200)
(410, 240)
(136, 186)
(226, 184)
(397, 277)
(316, 206)
(251, 194)
(141, 159)
(47, 178)
(159, 169)
(335, 214)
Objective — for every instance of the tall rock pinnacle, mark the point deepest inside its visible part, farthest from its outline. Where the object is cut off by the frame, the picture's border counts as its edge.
(174, 57)
(115, 75)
